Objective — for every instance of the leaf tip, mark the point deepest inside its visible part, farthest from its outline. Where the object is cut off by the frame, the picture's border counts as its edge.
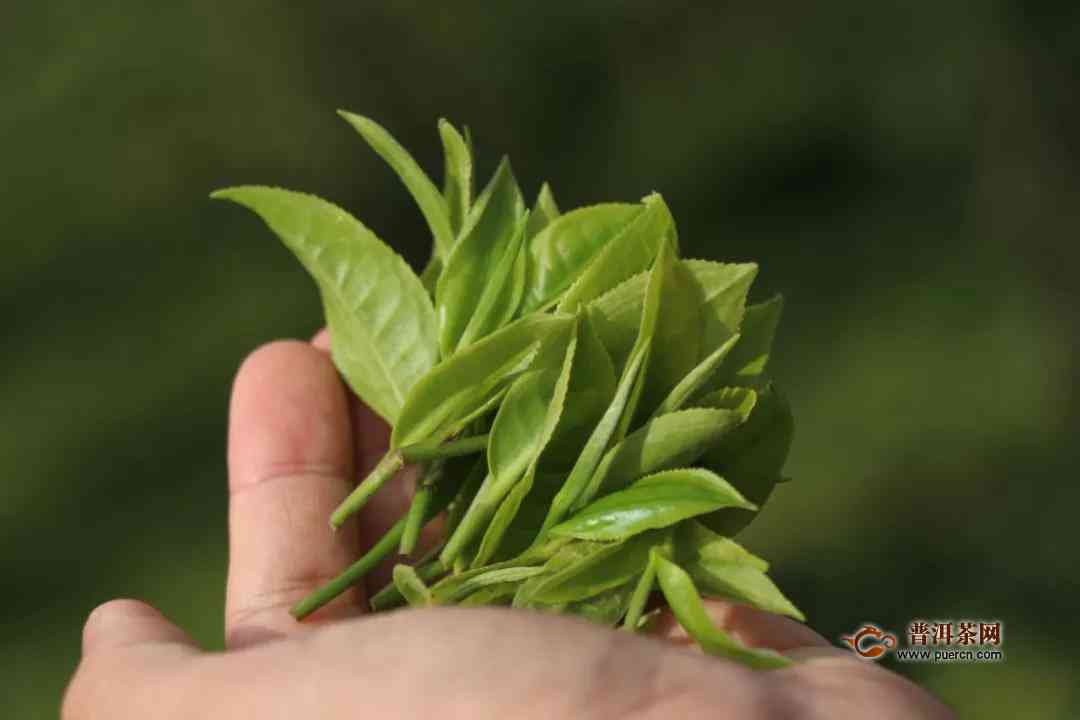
(361, 123)
(227, 193)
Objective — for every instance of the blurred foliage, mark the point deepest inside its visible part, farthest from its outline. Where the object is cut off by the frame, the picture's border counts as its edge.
(906, 175)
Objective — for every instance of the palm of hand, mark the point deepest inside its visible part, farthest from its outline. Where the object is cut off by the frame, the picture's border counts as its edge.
(296, 444)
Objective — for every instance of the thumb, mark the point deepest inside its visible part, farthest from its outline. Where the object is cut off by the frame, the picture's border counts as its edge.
(124, 643)
(122, 623)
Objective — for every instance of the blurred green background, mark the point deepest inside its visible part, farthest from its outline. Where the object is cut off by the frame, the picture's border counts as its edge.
(906, 174)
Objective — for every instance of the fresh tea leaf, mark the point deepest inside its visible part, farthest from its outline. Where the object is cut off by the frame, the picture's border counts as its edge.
(544, 212)
(612, 425)
(632, 251)
(751, 457)
(640, 597)
(562, 250)
(689, 610)
(720, 287)
(605, 608)
(693, 381)
(382, 325)
(523, 444)
(677, 341)
(592, 386)
(427, 196)
(598, 441)
(502, 293)
(743, 583)
(694, 542)
(463, 383)
(669, 441)
(604, 568)
(489, 231)
(429, 278)
(457, 176)
(654, 501)
(471, 581)
(497, 594)
(738, 399)
(747, 362)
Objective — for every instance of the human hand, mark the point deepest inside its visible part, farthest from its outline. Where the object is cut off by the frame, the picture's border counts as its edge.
(296, 443)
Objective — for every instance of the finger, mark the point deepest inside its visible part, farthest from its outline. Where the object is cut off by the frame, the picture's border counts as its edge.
(124, 642)
(122, 623)
(290, 465)
(371, 438)
(755, 628)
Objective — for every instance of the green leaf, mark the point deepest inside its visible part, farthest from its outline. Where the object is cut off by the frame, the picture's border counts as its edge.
(747, 362)
(696, 379)
(521, 444)
(654, 501)
(751, 457)
(489, 231)
(594, 448)
(669, 441)
(518, 520)
(429, 278)
(474, 580)
(605, 608)
(410, 585)
(502, 293)
(720, 287)
(381, 321)
(600, 569)
(562, 250)
(640, 598)
(591, 389)
(660, 278)
(498, 594)
(462, 384)
(427, 196)
(457, 175)
(632, 251)
(612, 425)
(517, 431)
(677, 341)
(694, 542)
(544, 212)
(689, 610)
(743, 583)
(739, 399)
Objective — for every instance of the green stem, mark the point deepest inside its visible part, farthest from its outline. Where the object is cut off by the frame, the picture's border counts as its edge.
(414, 520)
(429, 450)
(641, 594)
(386, 469)
(357, 570)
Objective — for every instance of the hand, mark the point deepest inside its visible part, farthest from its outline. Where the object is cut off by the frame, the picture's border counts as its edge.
(296, 443)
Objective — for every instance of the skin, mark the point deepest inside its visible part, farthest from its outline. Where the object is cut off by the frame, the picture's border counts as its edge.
(297, 442)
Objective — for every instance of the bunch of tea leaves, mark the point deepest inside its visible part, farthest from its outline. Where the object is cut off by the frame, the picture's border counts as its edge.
(588, 410)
